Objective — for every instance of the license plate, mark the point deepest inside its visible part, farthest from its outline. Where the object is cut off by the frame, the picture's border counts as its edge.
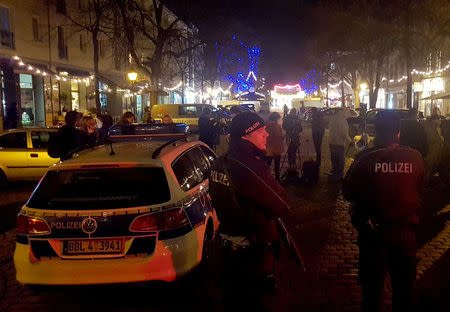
(94, 246)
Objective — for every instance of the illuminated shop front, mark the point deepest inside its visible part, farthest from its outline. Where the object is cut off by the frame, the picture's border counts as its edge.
(432, 94)
(284, 95)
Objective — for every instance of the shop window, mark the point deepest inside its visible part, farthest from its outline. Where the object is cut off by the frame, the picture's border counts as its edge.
(35, 28)
(27, 99)
(75, 91)
(26, 81)
(103, 100)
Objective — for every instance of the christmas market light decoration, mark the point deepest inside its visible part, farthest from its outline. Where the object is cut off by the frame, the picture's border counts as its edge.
(234, 60)
(251, 73)
(176, 87)
(287, 88)
(308, 84)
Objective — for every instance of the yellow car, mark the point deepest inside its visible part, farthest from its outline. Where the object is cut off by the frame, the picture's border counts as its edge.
(23, 154)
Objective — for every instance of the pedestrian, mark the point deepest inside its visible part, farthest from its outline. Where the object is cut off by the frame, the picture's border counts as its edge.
(107, 122)
(248, 200)
(88, 133)
(128, 118)
(126, 123)
(412, 133)
(147, 115)
(338, 140)
(285, 110)
(207, 129)
(66, 139)
(435, 142)
(275, 143)
(264, 110)
(384, 185)
(318, 129)
(293, 128)
(167, 119)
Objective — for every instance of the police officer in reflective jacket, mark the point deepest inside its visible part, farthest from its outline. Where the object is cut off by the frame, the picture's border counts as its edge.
(248, 200)
(384, 185)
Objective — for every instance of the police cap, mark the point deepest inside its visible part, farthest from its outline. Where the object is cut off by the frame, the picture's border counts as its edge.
(245, 123)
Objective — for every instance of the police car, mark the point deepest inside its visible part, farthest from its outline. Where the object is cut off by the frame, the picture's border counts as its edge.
(126, 211)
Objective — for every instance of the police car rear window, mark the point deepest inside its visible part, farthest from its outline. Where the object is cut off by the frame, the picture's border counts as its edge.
(104, 188)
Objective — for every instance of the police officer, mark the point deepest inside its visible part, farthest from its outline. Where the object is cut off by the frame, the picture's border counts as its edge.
(384, 185)
(247, 200)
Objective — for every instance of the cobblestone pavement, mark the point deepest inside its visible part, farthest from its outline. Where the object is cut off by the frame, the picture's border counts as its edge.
(328, 241)
(322, 229)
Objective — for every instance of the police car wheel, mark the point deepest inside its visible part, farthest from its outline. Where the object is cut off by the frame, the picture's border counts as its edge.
(207, 244)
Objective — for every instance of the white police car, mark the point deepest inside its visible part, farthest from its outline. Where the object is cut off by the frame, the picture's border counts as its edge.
(120, 212)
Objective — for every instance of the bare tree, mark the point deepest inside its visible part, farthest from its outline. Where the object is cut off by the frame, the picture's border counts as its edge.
(94, 17)
(149, 32)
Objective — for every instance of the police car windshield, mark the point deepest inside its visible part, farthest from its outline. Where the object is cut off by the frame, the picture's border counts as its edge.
(101, 189)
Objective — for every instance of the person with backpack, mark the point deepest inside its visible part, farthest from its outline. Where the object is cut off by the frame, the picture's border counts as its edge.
(248, 201)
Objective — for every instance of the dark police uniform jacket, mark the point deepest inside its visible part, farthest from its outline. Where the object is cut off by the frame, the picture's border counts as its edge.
(244, 193)
(385, 183)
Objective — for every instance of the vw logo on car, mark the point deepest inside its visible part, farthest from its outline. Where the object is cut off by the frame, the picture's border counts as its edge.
(89, 225)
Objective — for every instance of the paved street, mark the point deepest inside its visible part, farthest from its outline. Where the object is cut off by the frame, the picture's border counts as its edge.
(322, 228)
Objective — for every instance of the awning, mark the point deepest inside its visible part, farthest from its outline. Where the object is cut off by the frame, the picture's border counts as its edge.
(439, 96)
(113, 80)
(72, 71)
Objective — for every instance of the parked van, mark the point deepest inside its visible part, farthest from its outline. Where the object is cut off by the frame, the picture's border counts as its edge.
(183, 113)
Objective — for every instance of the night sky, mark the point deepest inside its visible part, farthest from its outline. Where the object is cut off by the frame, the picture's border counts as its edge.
(280, 27)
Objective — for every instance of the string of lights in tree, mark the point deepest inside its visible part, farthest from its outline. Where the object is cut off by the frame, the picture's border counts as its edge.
(235, 60)
(308, 83)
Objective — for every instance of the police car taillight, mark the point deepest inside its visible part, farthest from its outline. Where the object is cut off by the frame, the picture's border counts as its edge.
(160, 221)
(31, 225)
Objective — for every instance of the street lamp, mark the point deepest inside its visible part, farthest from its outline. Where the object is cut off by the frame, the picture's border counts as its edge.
(132, 76)
(363, 86)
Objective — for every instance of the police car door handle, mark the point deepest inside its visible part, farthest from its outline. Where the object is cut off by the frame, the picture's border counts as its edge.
(34, 155)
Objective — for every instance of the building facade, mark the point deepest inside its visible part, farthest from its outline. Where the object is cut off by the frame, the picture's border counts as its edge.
(47, 66)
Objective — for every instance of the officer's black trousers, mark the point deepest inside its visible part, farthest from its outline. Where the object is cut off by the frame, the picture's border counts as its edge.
(317, 138)
(240, 279)
(391, 250)
(292, 155)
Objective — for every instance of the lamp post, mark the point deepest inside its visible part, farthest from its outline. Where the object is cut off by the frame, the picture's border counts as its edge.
(132, 77)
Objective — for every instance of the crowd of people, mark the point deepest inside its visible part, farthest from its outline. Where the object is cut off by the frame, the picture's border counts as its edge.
(383, 184)
(78, 131)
